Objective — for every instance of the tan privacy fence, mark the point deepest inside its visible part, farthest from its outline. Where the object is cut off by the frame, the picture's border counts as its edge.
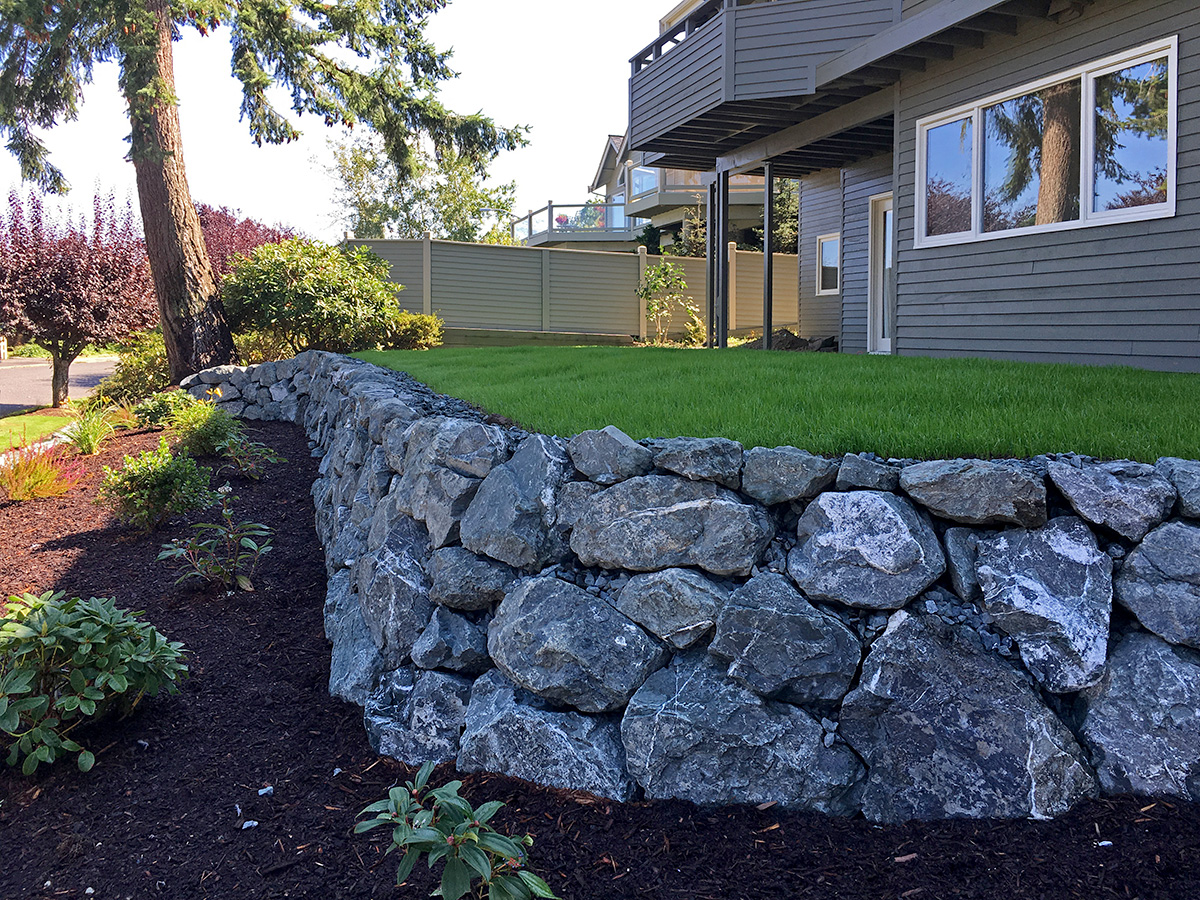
(500, 288)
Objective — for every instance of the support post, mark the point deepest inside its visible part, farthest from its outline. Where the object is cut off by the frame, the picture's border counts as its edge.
(546, 289)
(643, 262)
(427, 273)
(768, 252)
(722, 238)
(549, 217)
(710, 265)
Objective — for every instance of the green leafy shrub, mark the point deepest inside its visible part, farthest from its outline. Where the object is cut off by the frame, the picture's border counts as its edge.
(155, 485)
(156, 410)
(254, 347)
(141, 370)
(220, 552)
(249, 458)
(39, 471)
(201, 427)
(306, 295)
(414, 331)
(439, 823)
(662, 290)
(93, 426)
(63, 662)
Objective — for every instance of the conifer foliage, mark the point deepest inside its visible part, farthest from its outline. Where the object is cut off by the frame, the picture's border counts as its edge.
(69, 284)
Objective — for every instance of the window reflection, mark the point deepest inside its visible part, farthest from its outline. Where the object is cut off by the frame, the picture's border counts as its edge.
(1131, 137)
(1031, 157)
(948, 185)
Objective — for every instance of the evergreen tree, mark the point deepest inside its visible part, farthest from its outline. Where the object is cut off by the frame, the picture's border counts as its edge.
(48, 52)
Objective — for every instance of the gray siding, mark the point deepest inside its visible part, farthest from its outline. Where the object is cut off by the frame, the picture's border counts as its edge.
(1122, 293)
(820, 214)
(860, 182)
(911, 7)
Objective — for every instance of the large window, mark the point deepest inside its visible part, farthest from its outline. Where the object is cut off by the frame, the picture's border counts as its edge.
(1086, 147)
(829, 264)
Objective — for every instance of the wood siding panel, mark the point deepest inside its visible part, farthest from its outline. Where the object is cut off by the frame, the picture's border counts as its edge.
(860, 182)
(820, 214)
(1124, 293)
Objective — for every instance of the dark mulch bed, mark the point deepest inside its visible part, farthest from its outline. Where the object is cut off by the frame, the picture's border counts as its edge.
(159, 815)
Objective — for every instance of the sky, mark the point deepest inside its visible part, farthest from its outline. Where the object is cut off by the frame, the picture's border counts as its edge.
(558, 66)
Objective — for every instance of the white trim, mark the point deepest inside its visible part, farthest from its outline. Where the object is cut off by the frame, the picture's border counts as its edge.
(823, 239)
(875, 237)
(1088, 218)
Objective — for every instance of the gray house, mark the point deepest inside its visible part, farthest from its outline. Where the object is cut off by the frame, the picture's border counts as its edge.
(1013, 179)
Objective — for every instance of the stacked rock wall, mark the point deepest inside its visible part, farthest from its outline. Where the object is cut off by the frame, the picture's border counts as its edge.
(683, 618)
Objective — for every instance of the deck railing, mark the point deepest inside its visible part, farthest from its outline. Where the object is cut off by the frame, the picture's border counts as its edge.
(575, 218)
(644, 181)
(682, 30)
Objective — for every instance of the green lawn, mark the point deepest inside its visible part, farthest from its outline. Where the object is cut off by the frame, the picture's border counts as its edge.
(826, 403)
(27, 428)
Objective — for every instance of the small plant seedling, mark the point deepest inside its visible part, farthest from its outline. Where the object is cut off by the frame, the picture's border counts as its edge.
(439, 824)
(221, 551)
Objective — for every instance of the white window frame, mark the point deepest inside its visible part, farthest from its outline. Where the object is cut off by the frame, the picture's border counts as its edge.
(1087, 74)
(821, 241)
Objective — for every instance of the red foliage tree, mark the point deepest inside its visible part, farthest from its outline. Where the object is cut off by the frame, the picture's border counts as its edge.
(70, 284)
(227, 235)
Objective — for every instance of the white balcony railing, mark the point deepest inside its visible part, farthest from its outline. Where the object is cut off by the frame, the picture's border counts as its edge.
(566, 219)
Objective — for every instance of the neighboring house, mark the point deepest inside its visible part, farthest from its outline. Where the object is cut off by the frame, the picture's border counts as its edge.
(1011, 179)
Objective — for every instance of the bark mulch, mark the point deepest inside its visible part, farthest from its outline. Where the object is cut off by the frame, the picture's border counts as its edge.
(161, 814)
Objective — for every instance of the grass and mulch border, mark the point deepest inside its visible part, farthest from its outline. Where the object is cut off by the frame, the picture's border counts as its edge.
(904, 407)
(21, 429)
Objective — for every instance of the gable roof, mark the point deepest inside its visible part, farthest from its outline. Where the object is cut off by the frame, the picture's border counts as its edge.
(614, 150)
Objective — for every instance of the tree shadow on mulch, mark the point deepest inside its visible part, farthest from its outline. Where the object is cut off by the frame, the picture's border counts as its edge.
(167, 811)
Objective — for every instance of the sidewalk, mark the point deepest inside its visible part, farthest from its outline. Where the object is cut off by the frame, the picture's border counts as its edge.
(25, 383)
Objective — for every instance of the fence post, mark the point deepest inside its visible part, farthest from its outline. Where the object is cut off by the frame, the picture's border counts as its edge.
(732, 286)
(546, 289)
(427, 273)
(643, 262)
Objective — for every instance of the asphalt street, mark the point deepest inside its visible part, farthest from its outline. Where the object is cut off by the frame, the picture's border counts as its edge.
(25, 383)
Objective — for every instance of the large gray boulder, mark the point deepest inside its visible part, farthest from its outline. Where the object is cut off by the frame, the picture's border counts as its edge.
(561, 643)
(857, 473)
(1141, 722)
(679, 606)
(866, 549)
(1160, 583)
(512, 517)
(1051, 591)
(452, 641)
(701, 459)
(962, 548)
(1184, 474)
(978, 491)
(691, 733)
(462, 580)
(658, 522)
(417, 717)
(445, 461)
(515, 733)
(355, 664)
(609, 455)
(780, 646)
(1128, 497)
(948, 729)
(783, 474)
(393, 589)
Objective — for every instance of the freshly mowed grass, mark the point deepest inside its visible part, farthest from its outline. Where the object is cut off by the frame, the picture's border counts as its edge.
(826, 403)
(25, 428)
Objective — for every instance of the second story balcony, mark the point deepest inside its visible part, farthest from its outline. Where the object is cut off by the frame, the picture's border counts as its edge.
(653, 191)
(586, 225)
(733, 70)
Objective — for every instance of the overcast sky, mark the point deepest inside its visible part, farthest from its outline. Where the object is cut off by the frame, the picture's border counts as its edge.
(559, 66)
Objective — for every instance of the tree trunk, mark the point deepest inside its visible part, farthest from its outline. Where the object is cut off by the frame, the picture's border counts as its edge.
(60, 379)
(193, 321)
(1058, 188)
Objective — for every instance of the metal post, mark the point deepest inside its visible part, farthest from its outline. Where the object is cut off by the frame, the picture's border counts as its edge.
(549, 216)
(768, 255)
(722, 240)
(710, 267)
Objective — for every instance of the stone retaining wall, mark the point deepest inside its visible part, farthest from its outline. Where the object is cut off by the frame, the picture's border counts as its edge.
(683, 618)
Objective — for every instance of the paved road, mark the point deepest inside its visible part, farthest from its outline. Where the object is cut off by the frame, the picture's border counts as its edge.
(26, 382)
